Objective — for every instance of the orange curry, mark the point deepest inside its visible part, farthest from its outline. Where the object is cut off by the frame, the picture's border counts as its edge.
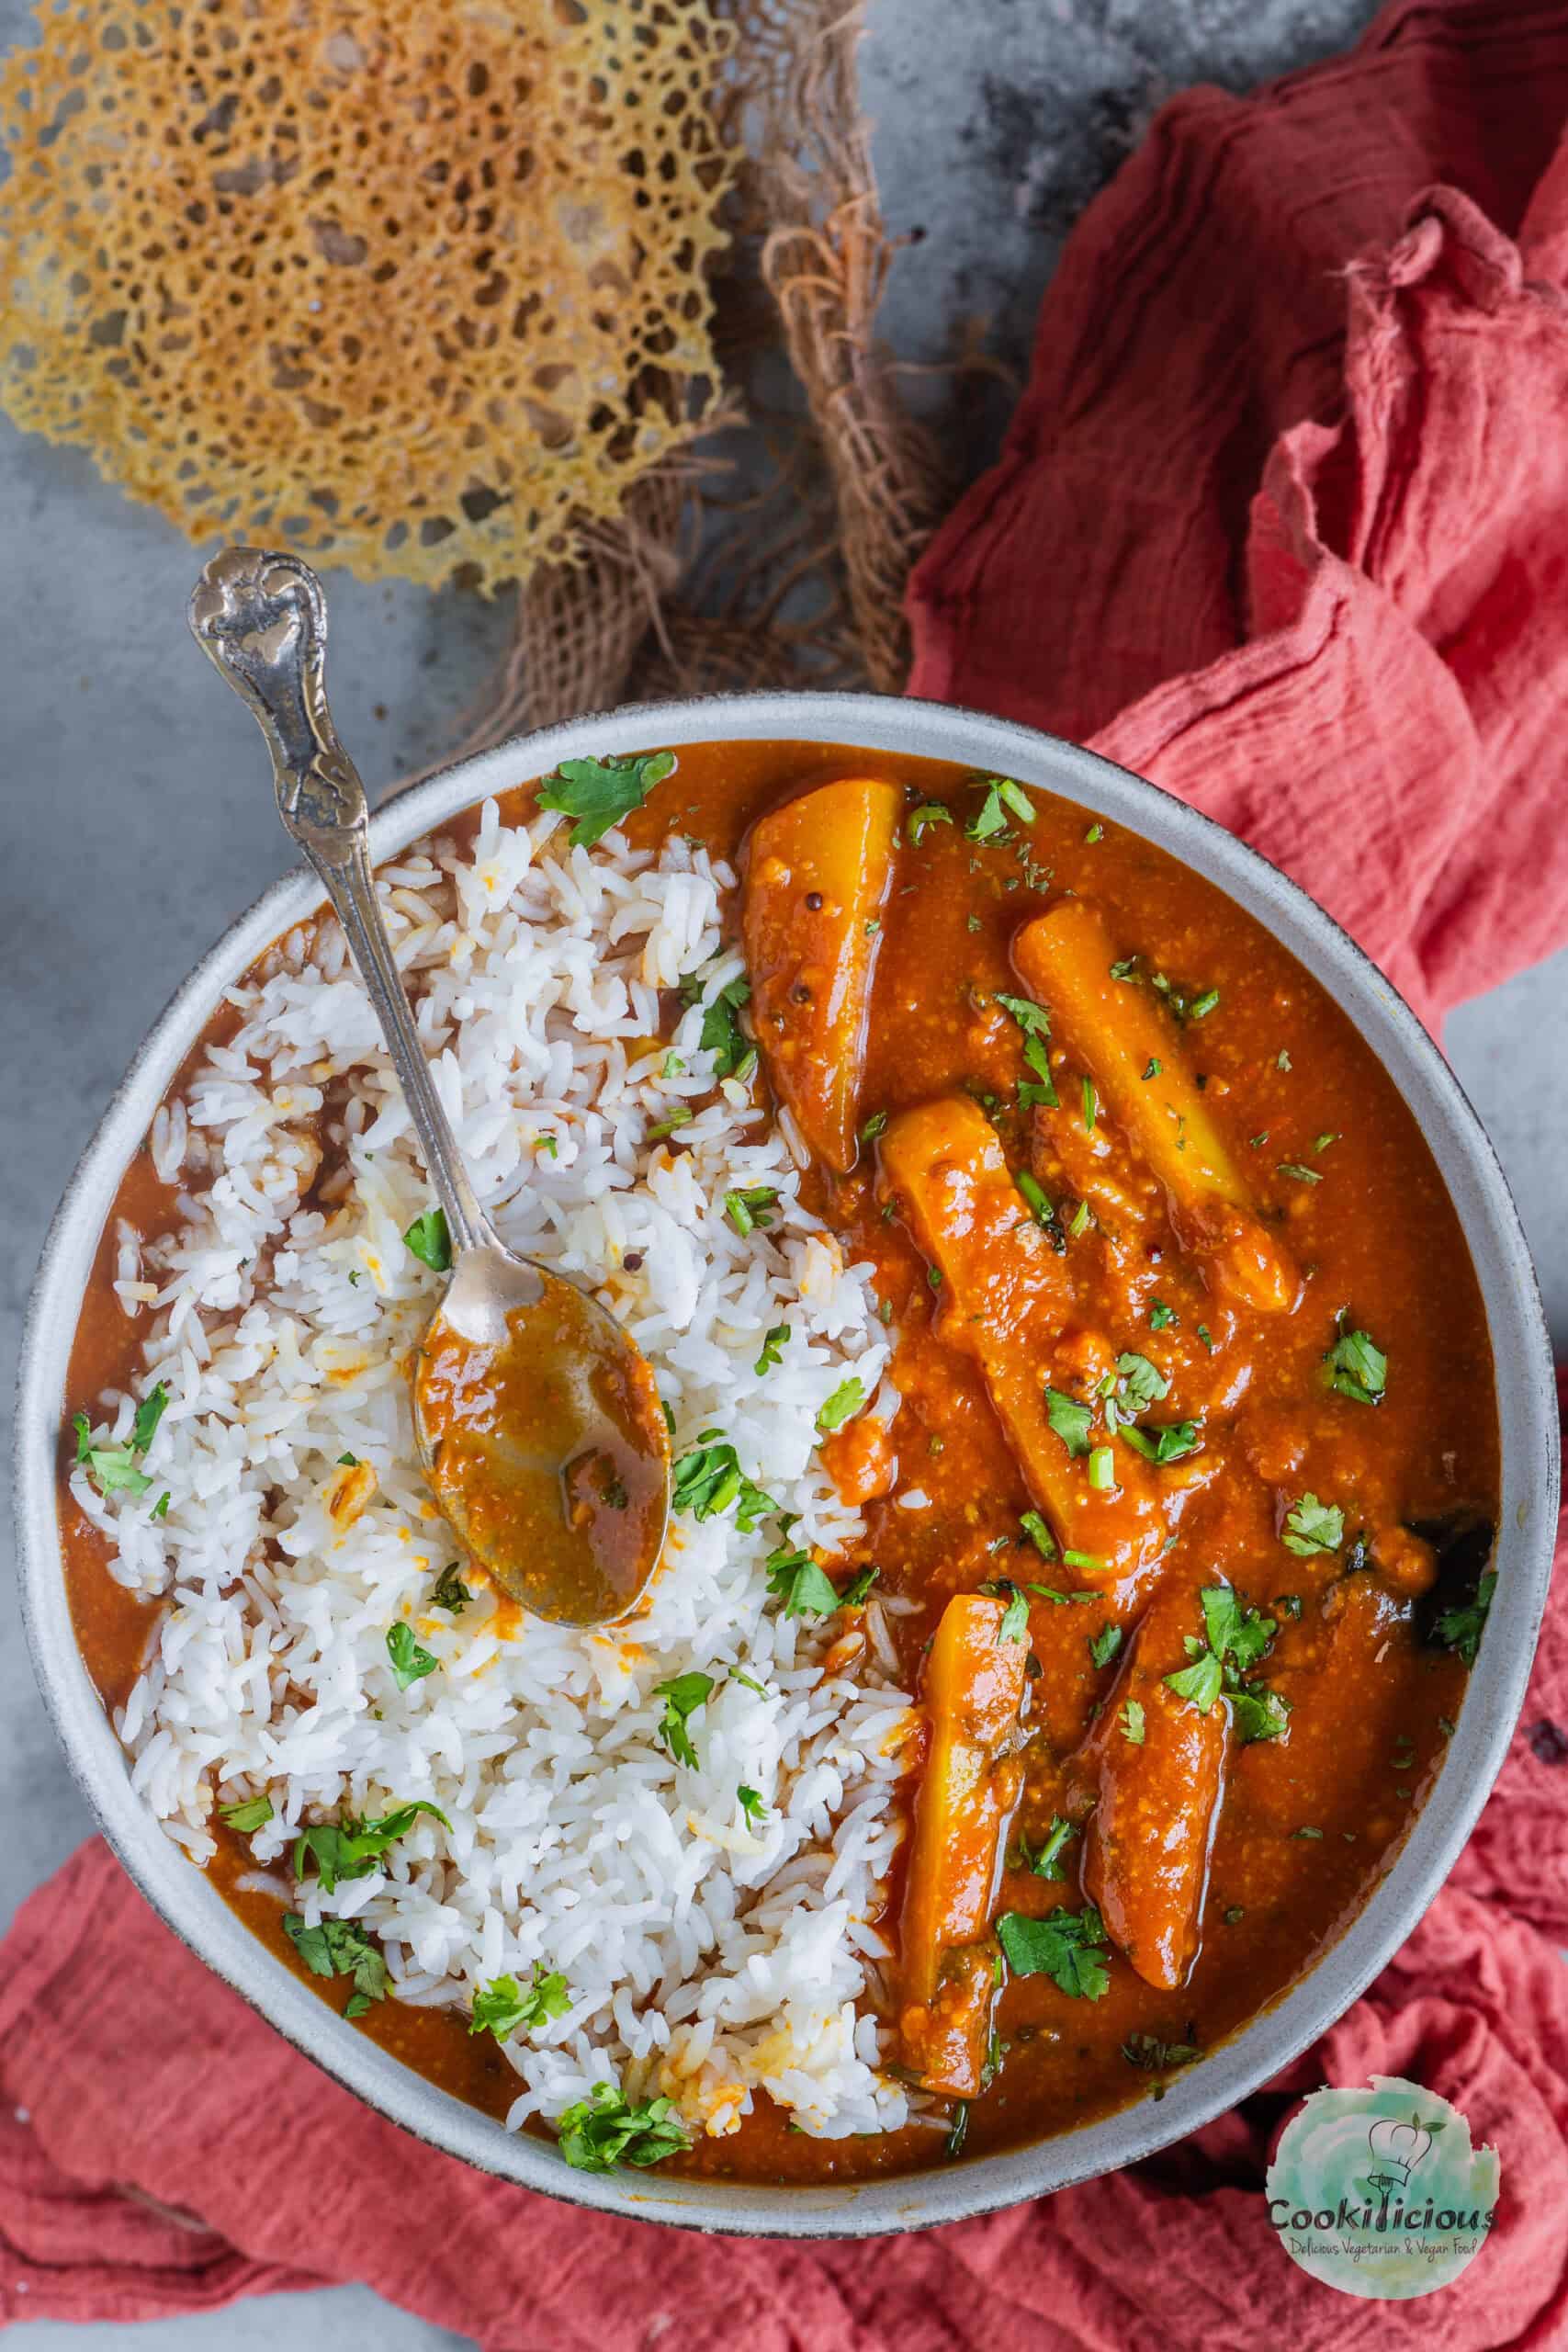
(1195, 1474)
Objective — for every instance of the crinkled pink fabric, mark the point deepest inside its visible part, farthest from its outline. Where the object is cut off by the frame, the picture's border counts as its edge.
(1283, 523)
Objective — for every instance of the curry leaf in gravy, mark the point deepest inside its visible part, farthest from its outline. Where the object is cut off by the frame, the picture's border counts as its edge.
(709, 1478)
(1312, 1526)
(1067, 1946)
(683, 1695)
(1358, 1367)
(1070, 1420)
(504, 2007)
(428, 1238)
(1460, 1629)
(249, 1816)
(845, 1400)
(601, 2132)
(599, 793)
(340, 1948)
(410, 1662)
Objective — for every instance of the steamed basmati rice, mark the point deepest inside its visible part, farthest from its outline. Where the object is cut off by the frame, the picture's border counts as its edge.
(705, 1958)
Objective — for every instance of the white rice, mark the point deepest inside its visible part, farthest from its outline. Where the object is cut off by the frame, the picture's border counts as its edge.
(705, 1959)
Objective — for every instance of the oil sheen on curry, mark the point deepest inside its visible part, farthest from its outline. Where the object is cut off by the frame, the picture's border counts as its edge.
(1189, 1498)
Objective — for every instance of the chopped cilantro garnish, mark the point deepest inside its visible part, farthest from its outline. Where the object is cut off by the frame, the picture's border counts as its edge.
(1358, 1367)
(431, 1243)
(149, 1413)
(1038, 1093)
(750, 1206)
(683, 1695)
(1132, 1722)
(1067, 1946)
(1139, 1384)
(340, 1948)
(1039, 1535)
(1146, 2052)
(1014, 1625)
(410, 1662)
(800, 1584)
(845, 1400)
(773, 1344)
(504, 2007)
(1155, 1067)
(161, 1507)
(599, 793)
(1199, 1681)
(1102, 1468)
(854, 1592)
(1460, 1629)
(1104, 1645)
(1003, 798)
(872, 1127)
(114, 1468)
(681, 1116)
(709, 1478)
(1302, 1174)
(1032, 1018)
(751, 1806)
(351, 1848)
(1046, 1861)
(1090, 1105)
(1171, 1443)
(923, 816)
(1207, 1337)
(1257, 1712)
(249, 1815)
(722, 1036)
(1311, 1526)
(1161, 1316)
(1039, 1206)
(1095, 833)
(1069, 1419)
(451, 1593)
(599, 2132)
(958, 2129)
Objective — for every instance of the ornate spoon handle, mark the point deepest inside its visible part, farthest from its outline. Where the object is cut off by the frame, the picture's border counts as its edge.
(261, 619)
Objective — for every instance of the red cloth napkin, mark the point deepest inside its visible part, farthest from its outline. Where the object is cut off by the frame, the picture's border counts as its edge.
(1289, 492)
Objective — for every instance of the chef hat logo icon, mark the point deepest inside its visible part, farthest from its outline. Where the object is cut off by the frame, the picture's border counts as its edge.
(1398, 2148)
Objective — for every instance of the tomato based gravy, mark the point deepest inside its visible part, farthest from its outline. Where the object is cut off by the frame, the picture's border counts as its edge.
(1192, 1483)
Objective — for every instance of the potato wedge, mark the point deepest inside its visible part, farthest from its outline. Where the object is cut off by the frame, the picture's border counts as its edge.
(818, 874)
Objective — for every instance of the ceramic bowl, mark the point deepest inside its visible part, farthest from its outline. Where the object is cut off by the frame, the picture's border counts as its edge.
(1529, 1475)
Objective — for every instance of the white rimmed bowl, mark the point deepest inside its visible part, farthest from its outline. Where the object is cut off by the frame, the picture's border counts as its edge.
(1525, 1406)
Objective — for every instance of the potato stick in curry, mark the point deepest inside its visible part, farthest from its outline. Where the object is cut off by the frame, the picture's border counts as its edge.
(972, 1691)
(1156, 1799)
(818, 875)
(1006, 1299)
(1136, 1060)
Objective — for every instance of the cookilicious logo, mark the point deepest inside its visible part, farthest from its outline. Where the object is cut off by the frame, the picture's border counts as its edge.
(1379, 2192)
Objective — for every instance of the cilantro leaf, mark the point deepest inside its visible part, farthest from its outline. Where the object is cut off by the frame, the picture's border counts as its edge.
(722, 1036)
(683, 1695)
(601, 2132)
(451, 1593)
(1032, 1018)
(1139, 1384)
(1358, 1367)
(1041, 1093)
(1104, 1645)
(854, 1593)
(1171, 1443)
(251, 1813)
(351, 1848)
(923, 816)
(410, 1662)
(1046, 1861)
(428, 1238)
(1161, 1316)
(504, 2007)
(774, 1341)
(1199, 1681)
(1258, 1712)
(599, 793)
(1312, 1526)
(751, 1806)
(340, 1948)
(845, 1400)
(750, 1206)
(1014, 1625)
(1069, 1419)
(800, 1584)
(1460, 1629)
(1067, 1946)
(709, 1478)
(1132, 1722)
(149, 1413)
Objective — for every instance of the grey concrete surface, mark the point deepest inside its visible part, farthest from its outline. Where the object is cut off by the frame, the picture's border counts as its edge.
(137, 820)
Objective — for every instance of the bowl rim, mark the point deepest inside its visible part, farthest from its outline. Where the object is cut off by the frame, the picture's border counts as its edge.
(1468, 1164)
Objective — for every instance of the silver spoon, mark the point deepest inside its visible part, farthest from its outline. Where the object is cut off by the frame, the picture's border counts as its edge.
(538, 1418)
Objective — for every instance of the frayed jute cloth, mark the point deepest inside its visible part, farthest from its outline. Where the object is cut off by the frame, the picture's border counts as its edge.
(1285, 518)
(698, 587)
